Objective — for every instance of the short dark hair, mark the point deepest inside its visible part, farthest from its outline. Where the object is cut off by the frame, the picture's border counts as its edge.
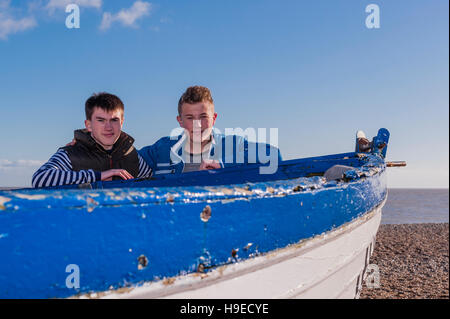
(195, 94)
(105, 101)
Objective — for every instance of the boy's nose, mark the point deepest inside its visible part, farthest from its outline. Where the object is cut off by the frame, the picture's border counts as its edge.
(197, 124)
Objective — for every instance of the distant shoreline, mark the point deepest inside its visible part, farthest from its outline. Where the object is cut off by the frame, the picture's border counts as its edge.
(416, 188)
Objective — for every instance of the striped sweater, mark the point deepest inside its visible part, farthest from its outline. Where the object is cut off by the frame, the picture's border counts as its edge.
(58, 171)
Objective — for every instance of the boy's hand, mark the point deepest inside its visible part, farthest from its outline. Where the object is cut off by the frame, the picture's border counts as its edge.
(108, 175)
(209, 164)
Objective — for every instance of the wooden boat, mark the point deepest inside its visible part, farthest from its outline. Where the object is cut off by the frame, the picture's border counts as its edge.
(230, 233)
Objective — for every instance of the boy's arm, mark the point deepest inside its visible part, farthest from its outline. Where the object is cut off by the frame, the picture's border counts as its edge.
(58, 171)
(148, 154)
(145, 170)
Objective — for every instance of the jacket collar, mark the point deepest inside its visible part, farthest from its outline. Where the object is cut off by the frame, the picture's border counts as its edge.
(121, 146)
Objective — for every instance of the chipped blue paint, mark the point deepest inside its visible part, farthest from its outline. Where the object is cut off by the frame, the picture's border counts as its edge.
(105, 229)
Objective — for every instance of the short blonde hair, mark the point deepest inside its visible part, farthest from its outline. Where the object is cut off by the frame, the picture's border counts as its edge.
(195, 94)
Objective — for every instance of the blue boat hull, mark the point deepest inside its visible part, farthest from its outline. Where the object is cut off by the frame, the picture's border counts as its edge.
(108, 230)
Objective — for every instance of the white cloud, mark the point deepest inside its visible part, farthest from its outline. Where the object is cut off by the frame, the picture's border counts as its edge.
(126, 17)
(14, 20)
(9, 24)
(62, 4)
(8, 164)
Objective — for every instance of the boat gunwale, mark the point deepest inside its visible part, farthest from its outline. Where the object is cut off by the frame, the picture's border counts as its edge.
(141, 196)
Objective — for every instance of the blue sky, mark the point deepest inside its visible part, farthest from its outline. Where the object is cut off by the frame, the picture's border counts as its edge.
(312, 69)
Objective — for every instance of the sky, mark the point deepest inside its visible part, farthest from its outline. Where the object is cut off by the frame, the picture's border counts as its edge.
(311, 69)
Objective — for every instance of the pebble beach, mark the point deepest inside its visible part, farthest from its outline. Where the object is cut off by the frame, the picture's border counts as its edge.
(413, 260)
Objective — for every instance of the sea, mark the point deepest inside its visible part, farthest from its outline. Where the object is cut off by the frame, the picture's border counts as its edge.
(412, 206)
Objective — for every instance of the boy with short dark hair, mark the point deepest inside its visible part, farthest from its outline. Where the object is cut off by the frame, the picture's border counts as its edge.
(101, 151)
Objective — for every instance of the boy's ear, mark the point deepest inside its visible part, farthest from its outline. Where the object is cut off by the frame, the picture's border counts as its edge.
(87, 123)
(180, 121)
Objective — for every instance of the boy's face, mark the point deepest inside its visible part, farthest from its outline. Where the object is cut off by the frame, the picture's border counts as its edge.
(197, 118)
(105, 127)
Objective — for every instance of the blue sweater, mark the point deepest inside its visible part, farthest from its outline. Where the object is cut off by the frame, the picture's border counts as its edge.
(166, 155)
